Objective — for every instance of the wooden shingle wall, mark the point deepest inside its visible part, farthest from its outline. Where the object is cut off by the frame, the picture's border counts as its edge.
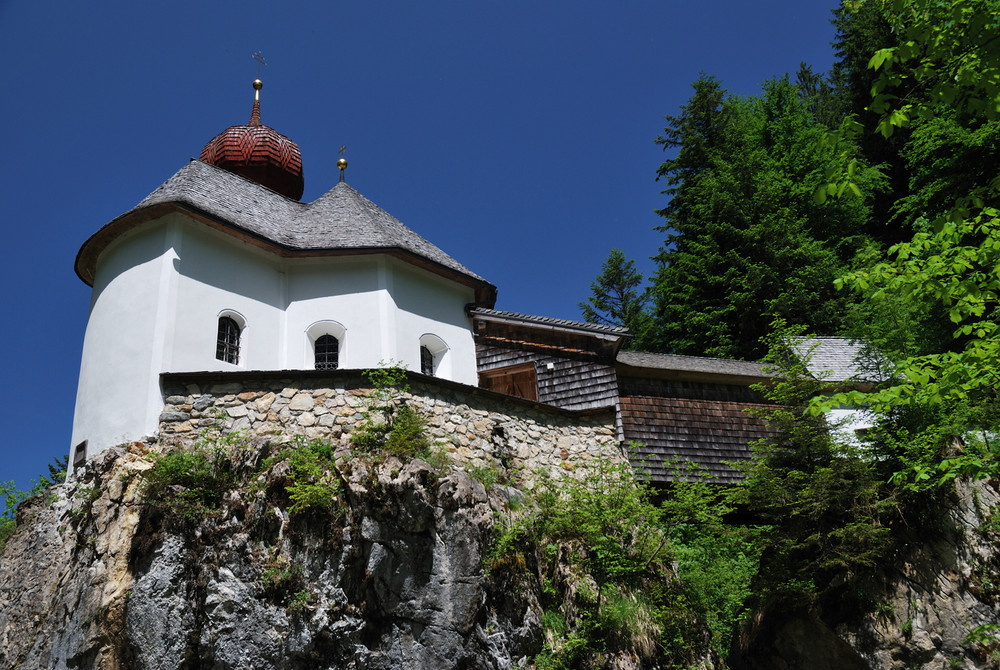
(577, 380)
(674, 423)
(672, 388)
(677, 431)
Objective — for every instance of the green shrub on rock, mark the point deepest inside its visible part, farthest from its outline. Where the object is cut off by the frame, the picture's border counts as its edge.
(388, 422)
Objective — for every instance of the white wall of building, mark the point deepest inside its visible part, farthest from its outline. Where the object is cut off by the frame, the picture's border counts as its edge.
(432, 308)
(118, 397)
(160, 290)
(850, 424)
(217, 274)
(339, 291)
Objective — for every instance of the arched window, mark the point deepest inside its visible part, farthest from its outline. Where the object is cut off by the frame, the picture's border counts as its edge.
(326, 346)
(434, 360)
(327, 352)
(227, 345)
(426, 361)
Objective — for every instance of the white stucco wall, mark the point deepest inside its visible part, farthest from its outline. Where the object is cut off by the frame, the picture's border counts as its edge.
(218, 274)
(161, 288)
(849, 423)
(118, 396)
(427, 304)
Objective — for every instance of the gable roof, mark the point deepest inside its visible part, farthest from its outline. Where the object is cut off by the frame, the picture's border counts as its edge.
(831, 359)
(340, 222)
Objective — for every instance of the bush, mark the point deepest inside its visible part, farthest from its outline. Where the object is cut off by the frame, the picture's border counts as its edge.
(189, 483)
(401, 430)
(604, 530)
(12, 496)
(316, 484)
(284, 582)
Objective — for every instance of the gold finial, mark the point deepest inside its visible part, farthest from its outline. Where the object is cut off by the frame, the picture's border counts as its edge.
(342, 163)
(257, 83)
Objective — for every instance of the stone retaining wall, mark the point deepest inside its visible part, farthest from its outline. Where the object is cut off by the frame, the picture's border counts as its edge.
(477, 428)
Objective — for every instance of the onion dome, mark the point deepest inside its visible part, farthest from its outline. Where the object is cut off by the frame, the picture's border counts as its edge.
(258, 153)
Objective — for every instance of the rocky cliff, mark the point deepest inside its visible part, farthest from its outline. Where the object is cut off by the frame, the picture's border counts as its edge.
(939, 606)
(100, 578)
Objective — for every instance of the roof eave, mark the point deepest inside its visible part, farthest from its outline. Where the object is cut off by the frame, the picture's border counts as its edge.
(86, 258)
(678, 374)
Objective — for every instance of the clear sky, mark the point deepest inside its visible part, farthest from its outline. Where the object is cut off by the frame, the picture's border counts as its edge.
(516, 136)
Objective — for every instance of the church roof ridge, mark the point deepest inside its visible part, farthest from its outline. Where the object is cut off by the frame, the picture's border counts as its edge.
(342, 220)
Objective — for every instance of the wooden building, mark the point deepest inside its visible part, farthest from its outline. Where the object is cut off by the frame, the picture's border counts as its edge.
(673, 410)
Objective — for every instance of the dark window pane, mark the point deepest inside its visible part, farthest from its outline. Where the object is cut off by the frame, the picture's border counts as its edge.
(426, 361)
(227, 346)
(327, 350)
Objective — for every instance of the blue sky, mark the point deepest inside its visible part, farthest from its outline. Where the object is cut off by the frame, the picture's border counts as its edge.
(516, 136)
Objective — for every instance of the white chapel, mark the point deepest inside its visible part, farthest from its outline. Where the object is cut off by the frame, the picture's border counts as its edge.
(223, 268)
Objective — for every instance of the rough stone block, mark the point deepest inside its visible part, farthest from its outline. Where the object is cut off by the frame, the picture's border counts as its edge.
(265, 401)
(302, 402)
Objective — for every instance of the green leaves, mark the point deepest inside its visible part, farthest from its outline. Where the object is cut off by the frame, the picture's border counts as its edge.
(955, 268)
(949, 57)
(315, 484)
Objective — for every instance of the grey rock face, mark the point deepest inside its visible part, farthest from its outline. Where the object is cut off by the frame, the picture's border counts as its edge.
(394, 581)
(97, 579)
(945, 586)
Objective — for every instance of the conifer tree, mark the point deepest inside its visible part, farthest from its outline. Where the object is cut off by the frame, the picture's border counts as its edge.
(745, 241)
(617, 300)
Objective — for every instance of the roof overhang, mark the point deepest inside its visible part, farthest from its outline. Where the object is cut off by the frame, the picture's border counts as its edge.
(565, 335)
(687, 375)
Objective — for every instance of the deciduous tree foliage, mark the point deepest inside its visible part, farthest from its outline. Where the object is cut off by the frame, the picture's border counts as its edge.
(861, 31)
(745, 241)
(949, 58)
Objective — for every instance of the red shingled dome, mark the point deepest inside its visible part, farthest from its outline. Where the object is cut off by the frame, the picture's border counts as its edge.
(258, 153)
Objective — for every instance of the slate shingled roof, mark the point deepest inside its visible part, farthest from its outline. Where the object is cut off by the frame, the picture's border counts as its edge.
(342, 220)
(645, 362)
(833, 359)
